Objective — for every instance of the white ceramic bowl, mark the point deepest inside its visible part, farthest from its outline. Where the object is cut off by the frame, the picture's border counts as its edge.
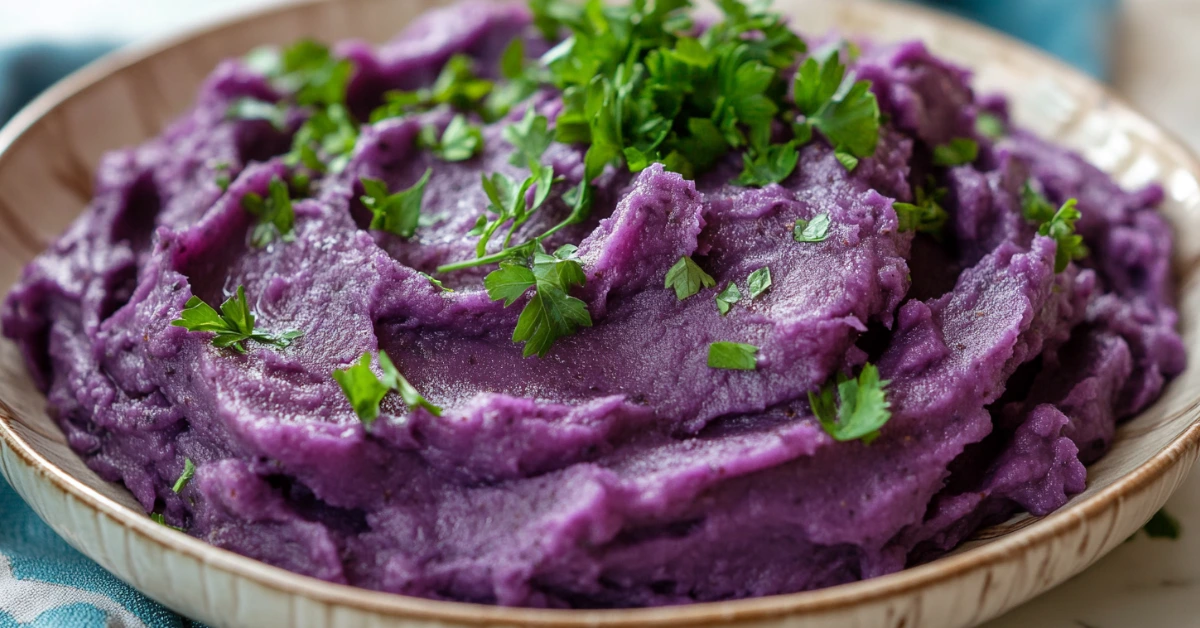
(48, 154)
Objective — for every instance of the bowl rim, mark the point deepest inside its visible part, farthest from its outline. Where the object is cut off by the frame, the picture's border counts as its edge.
(1044, 529)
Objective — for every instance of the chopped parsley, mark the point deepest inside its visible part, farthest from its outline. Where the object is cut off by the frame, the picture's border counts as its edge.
(395, 213)
(551, 313)
(457, 86)
(862, 410)
(815, 230)
(956, 152)
(759, 282)
(990, 125)
(221, 175)
(254, 109)
(727, 298)
(365, 391)
(926, 215)
(1163, 526)
(733, 356)
(509, 202)
(1058, 224)
(459, 142)
(232, 326)
(530, 138)
(686, 278)
(274, 213)
(189, 471)
(770, 165)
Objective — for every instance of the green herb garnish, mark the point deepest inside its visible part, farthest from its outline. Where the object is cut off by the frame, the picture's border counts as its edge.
(456, 86)
(189, 471)
(926, 215)
(733, 356)
(1061, 227)
(221, 175)
(727, 298)
(958, 151)
(771, 165)
(990, 125)
(276, 218)
(551, 312)
(530, 138)
(233, 325)
(395, 213)
(254, 109)
(815, 230)
(759, 282)
(842, 109)
(365, 391)
(686, 278)
(161, 519)
(1034, 206)
(459, 142)
(863, 407)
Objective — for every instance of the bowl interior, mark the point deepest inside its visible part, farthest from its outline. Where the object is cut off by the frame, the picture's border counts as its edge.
(51, 150)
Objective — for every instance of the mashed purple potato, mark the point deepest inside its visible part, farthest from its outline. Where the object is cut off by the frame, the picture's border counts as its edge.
(620, 469)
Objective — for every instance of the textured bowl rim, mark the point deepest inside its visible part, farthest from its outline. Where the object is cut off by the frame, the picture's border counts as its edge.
(1071, 516)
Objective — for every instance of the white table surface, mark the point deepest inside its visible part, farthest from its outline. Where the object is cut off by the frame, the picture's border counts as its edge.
(1144, 583)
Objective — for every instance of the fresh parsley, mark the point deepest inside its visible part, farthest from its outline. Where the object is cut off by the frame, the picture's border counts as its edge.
(863, 407)
(770, 165)
(530, 138)
(733, 356)
(457, 86)
(161, 519)
(759, 282)
(990, 125)
(274, 214)
(221, 175)
(551, 313)
(1055, 223)
(232, 326)
(1061, 227)
(926, 215)
(365, 391)
(843, 109)
(956, 152)
(815, 230)
(254, 109)
(727, 298)
(460, 140)
(686, 278)
(396, 213)
(189, 471)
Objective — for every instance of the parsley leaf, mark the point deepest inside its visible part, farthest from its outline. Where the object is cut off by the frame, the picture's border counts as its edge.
(815, 230)
(161, 519)
(732, 356)
(459, 142)
(1163, 526)
(1062, 228)
(990, 125)
(760, 282)
(551, 313)
(221, 175)
(771, 165)
(1034, 206)
(530, 137)
(396, 213)
(727, 297)
(325, 141)
(457, 86)
(233, 325)
(255, 109)
(924, 216)
(365, 391)
(842, 109)
(958, 151)
(686, 278)
(276, 218)
(509, 202)
(863, 408)
(189, 471)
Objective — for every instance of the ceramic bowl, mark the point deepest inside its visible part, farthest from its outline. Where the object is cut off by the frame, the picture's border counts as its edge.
(49, 152)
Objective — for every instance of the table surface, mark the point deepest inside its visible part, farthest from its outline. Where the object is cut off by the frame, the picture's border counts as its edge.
(1145, 582)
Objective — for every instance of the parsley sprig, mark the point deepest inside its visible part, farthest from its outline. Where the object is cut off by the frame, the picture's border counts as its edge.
(189, 471)
(926, 215)
(551, 313)
(233, 325)
(365, 391)
(687, 278)
(396, 213)
(861, 406)
(1058, 224)
(275, 216)
(842, 108)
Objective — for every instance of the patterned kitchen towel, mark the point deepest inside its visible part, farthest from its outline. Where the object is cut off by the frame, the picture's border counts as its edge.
(44, 583)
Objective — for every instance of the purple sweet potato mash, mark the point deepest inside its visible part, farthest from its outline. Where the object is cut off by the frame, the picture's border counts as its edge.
(619, 470)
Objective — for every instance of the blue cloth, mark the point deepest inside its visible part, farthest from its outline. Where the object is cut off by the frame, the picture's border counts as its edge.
(46, 584)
